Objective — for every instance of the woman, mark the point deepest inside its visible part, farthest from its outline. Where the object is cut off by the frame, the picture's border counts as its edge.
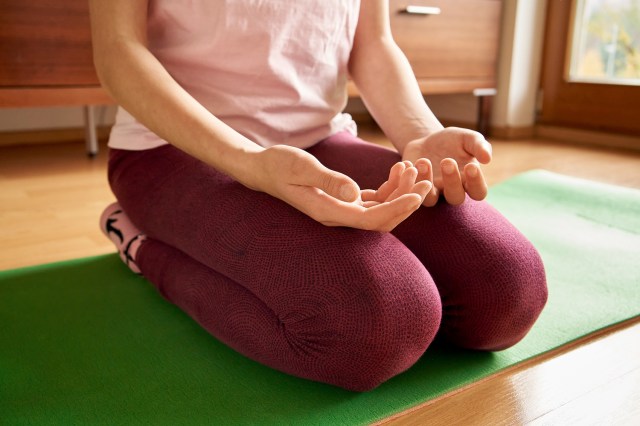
(239, 179)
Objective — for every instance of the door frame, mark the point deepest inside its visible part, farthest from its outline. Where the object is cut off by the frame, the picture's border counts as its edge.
(608, 108)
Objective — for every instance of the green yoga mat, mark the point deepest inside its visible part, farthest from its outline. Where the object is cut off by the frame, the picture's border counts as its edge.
(87, 342)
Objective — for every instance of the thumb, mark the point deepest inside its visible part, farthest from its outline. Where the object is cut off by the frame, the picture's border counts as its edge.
(476, 145)
(331, 182)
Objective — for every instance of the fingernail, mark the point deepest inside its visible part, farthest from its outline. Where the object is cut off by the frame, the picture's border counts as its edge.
(472, 171)
(489, 147)
(422, 168)
(415, 205)
(448, 168)
(347, 193)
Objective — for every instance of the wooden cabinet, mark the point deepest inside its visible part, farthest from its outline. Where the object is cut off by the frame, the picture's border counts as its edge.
(453, 51)
(46, 58)
(452, 46)
(45, 54)
(45, 43)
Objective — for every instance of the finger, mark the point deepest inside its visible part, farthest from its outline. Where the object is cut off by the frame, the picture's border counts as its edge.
(474, 182)
(407, 180)
(432, 197)
(368, 204)
(422, 188)
(392, 183)
(424, 168)
(477, 146)
(368, 195)
(322, 207)
(386, 216)
(331, 182)
(372, 216)
(451, 181)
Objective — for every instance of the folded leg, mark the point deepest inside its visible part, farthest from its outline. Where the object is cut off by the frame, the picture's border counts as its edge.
(490, 277)
(342, 306)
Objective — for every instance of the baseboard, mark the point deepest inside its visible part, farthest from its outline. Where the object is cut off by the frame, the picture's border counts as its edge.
(588, 137)
(36, 137)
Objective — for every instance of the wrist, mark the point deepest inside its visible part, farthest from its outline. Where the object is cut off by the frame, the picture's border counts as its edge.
(420, 133)
(243, 164)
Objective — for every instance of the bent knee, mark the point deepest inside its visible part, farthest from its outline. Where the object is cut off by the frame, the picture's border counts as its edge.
(381, 333)
(364, 364)
(511, 300)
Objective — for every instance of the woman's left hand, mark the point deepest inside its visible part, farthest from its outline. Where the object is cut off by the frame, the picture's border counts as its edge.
(455, 154)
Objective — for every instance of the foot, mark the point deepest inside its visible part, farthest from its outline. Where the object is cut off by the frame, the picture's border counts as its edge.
(115, 224)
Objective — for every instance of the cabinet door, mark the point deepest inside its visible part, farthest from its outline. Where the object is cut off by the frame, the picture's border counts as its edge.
(460, 44)
(45, 43)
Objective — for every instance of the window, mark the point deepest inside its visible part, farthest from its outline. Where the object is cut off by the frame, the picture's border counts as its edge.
(605, 44)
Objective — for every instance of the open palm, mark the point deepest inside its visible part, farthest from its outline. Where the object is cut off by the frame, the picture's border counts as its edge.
(454, 155)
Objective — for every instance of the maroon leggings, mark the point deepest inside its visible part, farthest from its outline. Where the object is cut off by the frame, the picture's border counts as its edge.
(338, 305)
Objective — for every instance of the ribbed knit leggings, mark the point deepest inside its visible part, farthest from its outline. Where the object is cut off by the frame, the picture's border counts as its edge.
(338, 305)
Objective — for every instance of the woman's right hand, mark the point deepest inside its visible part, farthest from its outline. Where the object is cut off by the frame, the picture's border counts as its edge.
(331, 198)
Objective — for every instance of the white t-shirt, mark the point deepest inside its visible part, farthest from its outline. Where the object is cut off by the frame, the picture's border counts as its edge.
(274, 70)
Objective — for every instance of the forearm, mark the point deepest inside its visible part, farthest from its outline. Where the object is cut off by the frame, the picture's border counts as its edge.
(139, 82)
(391, 93)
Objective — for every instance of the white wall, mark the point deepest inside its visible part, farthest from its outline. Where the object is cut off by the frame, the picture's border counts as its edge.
(519, 63)
(22, 119)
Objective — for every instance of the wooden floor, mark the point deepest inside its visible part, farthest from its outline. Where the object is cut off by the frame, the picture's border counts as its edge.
(52, 195)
